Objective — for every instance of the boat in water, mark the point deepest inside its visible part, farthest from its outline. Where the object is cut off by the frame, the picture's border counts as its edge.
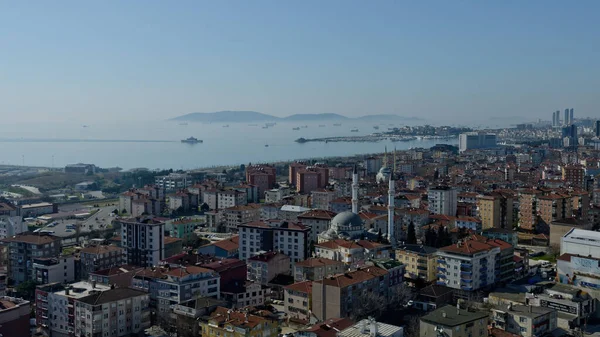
(322, 126)
(296, 128)
(266, 145)
(376, 127)
(354, 130)
(191, 140)
(226, 125)
(184, 123)
(337, 124)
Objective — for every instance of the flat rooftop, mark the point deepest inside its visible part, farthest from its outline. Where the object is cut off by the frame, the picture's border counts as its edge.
(450, 316)
(81, 289)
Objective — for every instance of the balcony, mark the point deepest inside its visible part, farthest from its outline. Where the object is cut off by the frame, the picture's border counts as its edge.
(466, 287)
(466, 280)
(441, 269)
(440, 283)
(466, 273)
(482, 269)
(441, 261)
(466, 265)
(443, 276)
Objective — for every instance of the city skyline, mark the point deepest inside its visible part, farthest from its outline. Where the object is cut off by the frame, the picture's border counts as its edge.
(90, 62)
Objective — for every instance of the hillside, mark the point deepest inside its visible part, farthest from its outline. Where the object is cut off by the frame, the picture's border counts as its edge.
(253, 116)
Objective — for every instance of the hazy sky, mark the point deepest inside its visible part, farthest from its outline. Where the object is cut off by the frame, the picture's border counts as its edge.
(81, 60)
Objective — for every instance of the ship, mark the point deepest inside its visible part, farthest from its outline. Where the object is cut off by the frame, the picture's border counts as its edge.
(337, 124)
(184, 123)
(191, 140)
(226, 125)
(376, 127)
(354, 130)
(296, 128)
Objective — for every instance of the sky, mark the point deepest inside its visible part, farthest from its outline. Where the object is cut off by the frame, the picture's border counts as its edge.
(152, 60)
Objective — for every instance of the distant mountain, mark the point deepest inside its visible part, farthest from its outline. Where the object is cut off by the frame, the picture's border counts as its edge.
(225, 117)
(253, 116)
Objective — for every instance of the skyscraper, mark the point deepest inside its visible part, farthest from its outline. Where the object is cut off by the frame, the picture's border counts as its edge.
(566, 120)
(553, 119)
(571, 121)
(597, 128)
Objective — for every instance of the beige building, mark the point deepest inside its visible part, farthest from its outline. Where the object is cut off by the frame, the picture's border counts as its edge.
(318, 220)
(264, 267)
(321, 198)
(297, 300)
(239, 215)
(526, 321)
(453, 322)
(420, 262)
(495, 210)
(317, 268)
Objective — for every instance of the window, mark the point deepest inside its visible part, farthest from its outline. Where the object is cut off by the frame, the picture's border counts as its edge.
(523, 319)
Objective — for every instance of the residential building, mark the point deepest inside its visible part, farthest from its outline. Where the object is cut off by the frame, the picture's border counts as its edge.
(99, 257)
(10, 223)
(14, 316)
(291, 212)
(55, 305)
(317, 268)
(528, 213)
(262, 268)
(115, 312)
(80, 168)
(574, 306)
(183, 228)
(240, 294)
(291, 239)
(169, 285)
(143, 241)
(293, 172)
(239, 215)
(526, 321)
(350, 252)
(229, 270)
(173, 246)
(476, 140)
(186, 315)
(505, 234)
(340, 205)
(55, 269)
(326, 328)
(454, 322)
(23, 248)
(120, 276)
(182, 201)
(432, 297)
(261, 176)
(137, 201)
(370, 327)
(173, 181)
(317, 220)
(468, 222)
(420, 262)
(297, 301)
(276, 194)
(467, 266)
(237, 323)
(226, 248)
(321, 198)
(442, 200)
(334, 296)
(574, 175)
(495, 210)
(231, 198)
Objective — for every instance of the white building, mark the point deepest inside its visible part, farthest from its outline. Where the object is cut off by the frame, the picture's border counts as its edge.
(115, 312)
(581, 242)
(276, 194)
(143, 240)
(291, 212)
(290, 238)
(476, 140)
(467, 266)
(173, 181)
(318, 220)
(231, 198)
(442, 200)
(54, 269)
(371, 328)
(11, 225)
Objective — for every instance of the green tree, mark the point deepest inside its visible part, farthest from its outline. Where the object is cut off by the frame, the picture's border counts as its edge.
(411, 235)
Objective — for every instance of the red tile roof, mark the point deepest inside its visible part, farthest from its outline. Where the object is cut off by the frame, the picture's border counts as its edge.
(353, 277)
(316, 262)
(302, 287)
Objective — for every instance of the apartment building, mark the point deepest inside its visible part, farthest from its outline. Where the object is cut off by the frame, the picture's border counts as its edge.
(574, 175)
(321, 198)
(507, 235)
(262, 268)
(495, 210)
(143, 241)
(528, 209)
(55, 305)
(334, 296)
(261, 176)
(251, 192)
(183, 200)
(118, 276)
(99, 257)
(526, 321)
(297, 300)
(115, 312)
(238, 323)
(240, 294)
(14, 316)
(317, 268)
(169, 285)
(291, 239)
(183, 228)
(55, 269)
(442, 200)
(231, 198)
(468, 266)
(451, 321)
(317, 220)
(23, 248)
(149, 199)
(10, 223)
(239, 215)
(420, 262)
(173, 181)
(276, 194)
(350, 252)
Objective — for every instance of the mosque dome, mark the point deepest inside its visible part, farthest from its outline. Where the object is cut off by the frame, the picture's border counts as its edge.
(346, 220)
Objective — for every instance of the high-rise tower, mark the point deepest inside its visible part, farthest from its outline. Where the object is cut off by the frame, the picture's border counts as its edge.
(566, 121)
(571, 121)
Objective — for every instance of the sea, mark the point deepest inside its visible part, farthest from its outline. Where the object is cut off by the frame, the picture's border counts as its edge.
(157, 145)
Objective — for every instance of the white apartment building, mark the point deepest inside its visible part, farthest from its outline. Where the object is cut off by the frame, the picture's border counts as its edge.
(115, 312)
(61, 302)
(231, 198)
(238, 215)
(321, 198)
(173, 181)
(581, 242)
(11, 225)
(476, 140)
(54, 269)
(442, 200)
(291, 239)
(318, 220)
(276, 194)
(143, 240)
(467, 266)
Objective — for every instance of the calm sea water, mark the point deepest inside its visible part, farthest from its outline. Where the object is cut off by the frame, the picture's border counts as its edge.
(157, 144)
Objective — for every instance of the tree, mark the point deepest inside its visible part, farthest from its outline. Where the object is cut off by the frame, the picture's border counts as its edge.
(430, 237)
(26, 289)
(379, 236)
(411, 235)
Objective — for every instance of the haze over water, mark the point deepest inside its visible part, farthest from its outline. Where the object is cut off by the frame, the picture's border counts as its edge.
(46, 144)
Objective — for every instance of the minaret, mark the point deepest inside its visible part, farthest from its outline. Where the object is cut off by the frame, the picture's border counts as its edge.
(391, 194)
(394, 164)
(355, 190)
